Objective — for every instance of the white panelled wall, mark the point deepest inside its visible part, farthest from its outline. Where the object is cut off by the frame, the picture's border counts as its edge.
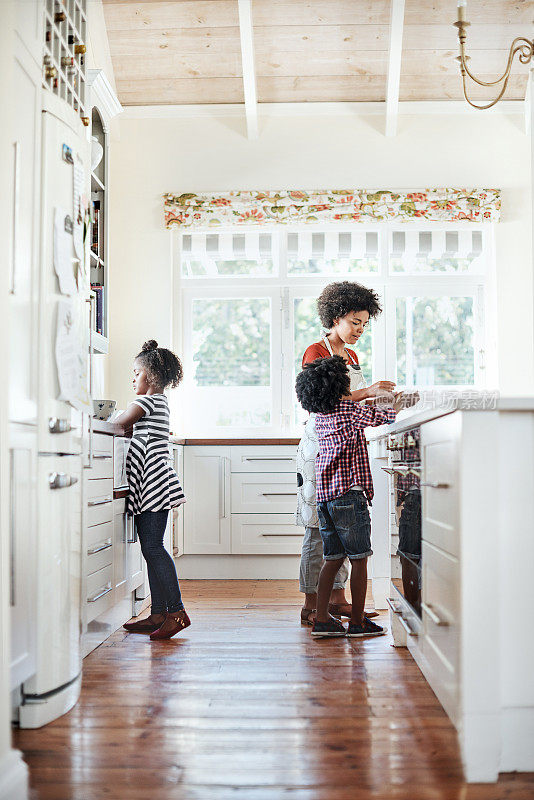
(154, 156)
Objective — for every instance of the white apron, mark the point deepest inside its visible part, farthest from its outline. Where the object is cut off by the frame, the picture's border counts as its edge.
(306, 515)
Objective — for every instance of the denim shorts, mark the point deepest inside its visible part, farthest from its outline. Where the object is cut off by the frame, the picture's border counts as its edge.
(345, 526)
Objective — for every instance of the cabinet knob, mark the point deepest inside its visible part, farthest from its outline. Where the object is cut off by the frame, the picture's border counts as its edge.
(57, 425)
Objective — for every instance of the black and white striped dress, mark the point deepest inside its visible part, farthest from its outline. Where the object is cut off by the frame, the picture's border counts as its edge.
(153, 483)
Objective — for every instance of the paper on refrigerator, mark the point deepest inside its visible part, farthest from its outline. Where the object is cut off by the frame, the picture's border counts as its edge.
(71, 358)
(63, 255)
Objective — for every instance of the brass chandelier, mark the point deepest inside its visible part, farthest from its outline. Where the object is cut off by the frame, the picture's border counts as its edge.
(521, 45)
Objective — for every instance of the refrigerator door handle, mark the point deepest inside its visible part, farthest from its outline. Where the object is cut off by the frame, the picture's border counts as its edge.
(89, 464)
(60, 480)
(15, 226)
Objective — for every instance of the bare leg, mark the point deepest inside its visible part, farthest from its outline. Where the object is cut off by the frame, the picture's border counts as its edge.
(324, 589)
(358, 589)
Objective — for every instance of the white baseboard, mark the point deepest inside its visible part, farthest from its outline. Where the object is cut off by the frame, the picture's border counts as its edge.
(233, 567)
(13, 776)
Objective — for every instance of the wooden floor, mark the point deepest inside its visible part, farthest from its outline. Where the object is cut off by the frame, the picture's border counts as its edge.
(246, 706)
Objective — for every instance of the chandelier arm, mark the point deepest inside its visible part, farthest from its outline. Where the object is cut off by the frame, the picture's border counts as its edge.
(514, 48)
(488, 105)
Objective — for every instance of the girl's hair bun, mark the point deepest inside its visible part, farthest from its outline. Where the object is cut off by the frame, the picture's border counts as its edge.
(150, 345)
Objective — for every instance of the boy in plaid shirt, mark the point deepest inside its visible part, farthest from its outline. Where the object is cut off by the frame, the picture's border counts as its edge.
(344, 486)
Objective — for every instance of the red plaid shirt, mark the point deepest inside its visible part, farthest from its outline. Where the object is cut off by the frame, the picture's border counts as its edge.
(342, 460)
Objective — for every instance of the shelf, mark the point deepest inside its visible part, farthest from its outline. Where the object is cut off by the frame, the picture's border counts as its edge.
(100, 344)
(96, 182)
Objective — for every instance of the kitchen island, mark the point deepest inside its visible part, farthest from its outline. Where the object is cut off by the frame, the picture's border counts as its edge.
(465, 615)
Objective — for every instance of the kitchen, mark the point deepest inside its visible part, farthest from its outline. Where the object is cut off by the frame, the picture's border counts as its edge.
(237, 303)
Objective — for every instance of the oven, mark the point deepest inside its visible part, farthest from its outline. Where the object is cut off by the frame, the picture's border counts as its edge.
(405, 529)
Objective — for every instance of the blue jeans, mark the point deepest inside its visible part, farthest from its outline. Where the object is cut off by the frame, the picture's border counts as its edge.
(164, 588)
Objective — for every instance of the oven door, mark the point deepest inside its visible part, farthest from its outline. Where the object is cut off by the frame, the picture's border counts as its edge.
(406, 565)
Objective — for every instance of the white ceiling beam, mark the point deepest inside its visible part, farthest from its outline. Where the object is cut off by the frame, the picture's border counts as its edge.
(396, 29)
(246, 32)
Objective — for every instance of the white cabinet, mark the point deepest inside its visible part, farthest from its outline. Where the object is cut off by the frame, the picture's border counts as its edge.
(23, 535)
(29, 27)
(24, 261)
(207, 490)
(241, 500)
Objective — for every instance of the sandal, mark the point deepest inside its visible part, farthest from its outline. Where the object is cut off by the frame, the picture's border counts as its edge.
(306, 617)
(174, 623)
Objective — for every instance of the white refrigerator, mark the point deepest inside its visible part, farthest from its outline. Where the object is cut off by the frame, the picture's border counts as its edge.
(62, 402)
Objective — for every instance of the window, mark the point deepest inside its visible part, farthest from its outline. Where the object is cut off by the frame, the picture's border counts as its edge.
(248, 311)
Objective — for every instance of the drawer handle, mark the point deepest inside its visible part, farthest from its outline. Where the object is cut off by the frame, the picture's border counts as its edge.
(99, 547)
(281, 534)
(101, 592)
(269, 458)
(102, 502)
(101, 456)
(279, 494)
(406, 627)
(60, 480)
(393, 607)
(436, 485)
(437, 620)
(56, 425)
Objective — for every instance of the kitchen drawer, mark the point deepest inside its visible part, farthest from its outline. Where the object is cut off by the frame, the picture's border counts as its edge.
(99, 502)
(102, 444)
(441, 622)
(276, 458)
(258, 493)
(440, 496)
(266, 533)
(102, 466)
(99, 555)
(99, 592)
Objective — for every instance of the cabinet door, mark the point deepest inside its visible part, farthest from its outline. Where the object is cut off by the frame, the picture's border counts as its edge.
(23, 289)
(57, 193)
(120, 549)
(59, 565)
(135, 559)
(207, 510)
(22, 515)
(29, 26)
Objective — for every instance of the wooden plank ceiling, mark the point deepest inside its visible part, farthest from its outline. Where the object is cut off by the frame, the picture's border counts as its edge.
(188, 51)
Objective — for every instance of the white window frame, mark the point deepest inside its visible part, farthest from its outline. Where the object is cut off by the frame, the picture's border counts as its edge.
(283, 288)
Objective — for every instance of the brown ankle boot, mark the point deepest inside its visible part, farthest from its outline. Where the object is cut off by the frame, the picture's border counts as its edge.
(147, 625)
(174, 622)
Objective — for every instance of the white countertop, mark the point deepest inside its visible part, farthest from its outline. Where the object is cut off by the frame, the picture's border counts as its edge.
(446, 403)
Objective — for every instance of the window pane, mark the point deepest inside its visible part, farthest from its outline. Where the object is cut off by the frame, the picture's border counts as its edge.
(436, 251)
(195, 268)
(435, 341)
(334, 266)
(308, 329)
(332, 252)
(223, 254)
(232, 356)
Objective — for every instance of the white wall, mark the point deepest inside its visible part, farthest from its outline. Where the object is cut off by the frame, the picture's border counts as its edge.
(159, 155)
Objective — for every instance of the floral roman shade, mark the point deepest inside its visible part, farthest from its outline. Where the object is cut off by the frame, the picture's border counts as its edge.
(190, 210)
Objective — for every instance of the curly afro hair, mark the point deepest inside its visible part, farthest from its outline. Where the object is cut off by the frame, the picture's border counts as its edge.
(338, 299)
(162, 367)
(322, 383)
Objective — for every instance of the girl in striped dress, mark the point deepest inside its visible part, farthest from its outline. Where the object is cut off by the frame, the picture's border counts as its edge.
(154, 486)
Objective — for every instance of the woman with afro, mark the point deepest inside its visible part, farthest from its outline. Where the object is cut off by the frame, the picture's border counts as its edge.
(345, 309)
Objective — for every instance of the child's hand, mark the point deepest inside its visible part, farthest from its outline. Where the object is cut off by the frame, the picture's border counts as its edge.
(175, 512)
(405, 400)
(381, 392)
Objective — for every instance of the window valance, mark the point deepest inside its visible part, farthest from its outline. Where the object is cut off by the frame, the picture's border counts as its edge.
(190, 210)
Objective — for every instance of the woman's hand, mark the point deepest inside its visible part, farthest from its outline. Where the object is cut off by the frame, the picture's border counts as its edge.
(381, 391)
